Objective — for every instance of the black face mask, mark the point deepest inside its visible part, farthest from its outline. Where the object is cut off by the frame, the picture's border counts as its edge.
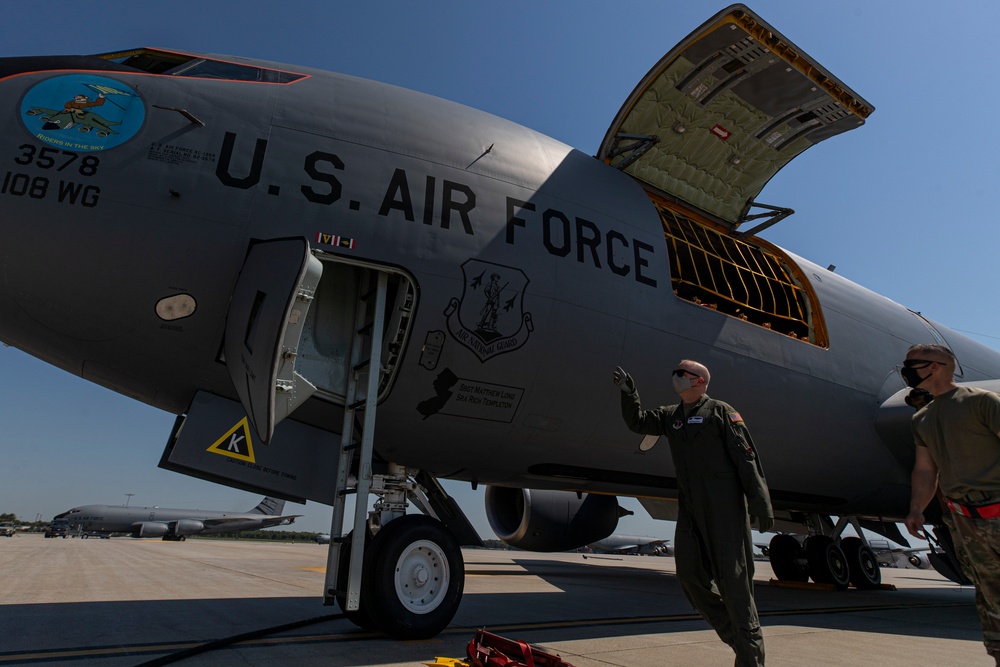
(911, 377)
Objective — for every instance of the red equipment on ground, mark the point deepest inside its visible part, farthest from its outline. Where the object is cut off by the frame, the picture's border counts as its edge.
(489, 650)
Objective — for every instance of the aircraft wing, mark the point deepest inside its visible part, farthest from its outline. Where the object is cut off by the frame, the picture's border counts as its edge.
(279, 520)
(723, 111)
(264, 520)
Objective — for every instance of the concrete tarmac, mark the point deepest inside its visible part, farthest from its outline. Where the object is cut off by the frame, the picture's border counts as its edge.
(126, 602)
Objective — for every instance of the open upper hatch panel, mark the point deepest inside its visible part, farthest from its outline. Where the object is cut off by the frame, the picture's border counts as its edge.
(723, 111)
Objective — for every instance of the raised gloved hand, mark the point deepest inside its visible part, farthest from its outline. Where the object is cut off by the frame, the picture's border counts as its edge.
(623, 380)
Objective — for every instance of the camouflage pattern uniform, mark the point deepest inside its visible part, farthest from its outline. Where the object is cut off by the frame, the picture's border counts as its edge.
(960, 430)
(718, 475)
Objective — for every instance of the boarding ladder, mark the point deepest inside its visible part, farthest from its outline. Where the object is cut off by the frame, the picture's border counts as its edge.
(364, 373)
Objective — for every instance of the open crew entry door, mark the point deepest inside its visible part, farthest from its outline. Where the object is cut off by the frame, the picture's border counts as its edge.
(723, 111)
(266, 318)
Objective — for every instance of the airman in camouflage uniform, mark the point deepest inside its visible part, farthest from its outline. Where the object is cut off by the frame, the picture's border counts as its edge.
(958, 448)
(718, 478)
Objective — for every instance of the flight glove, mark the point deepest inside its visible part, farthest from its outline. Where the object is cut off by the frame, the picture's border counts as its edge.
(765, 523)
(763, 516)
(623, 380)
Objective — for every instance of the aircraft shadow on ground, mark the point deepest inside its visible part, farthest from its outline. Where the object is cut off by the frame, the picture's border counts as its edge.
(622, 592)
(590, 601)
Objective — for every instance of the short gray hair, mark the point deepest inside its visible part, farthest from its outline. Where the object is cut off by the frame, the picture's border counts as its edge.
(934, 350)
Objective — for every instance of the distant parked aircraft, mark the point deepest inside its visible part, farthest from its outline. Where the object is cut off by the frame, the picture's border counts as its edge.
(892, 556)
(632, 544)
(172, 524)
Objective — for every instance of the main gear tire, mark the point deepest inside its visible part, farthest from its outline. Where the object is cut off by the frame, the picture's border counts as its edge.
(827, 562)
(865, 572)
(786, 557)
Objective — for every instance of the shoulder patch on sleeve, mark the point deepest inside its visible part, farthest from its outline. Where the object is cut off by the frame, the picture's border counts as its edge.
(735, 417)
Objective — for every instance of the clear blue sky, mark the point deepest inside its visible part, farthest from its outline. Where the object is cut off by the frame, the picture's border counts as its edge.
(905, 206)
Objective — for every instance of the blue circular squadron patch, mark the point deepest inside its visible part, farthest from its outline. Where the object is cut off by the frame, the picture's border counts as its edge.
(82, 112)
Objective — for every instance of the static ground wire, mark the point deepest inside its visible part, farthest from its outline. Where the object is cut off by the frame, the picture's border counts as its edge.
(236, 639)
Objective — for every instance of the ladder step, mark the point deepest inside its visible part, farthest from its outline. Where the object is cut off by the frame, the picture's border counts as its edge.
(357, 404)
(347, 492)
(350, 448)
(366, 329)
(362, 364)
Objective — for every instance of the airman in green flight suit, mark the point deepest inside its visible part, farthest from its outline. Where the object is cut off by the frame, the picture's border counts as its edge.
(721, 490)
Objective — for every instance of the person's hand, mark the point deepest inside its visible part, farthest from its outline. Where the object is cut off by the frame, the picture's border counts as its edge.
(915, 525)
(761, 513)
(765, 522)
(623, 380)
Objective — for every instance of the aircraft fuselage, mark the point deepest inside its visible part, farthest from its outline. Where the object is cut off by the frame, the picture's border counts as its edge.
(535, 269)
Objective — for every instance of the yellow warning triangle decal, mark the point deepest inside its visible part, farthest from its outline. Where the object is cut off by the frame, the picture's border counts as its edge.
(236, 443)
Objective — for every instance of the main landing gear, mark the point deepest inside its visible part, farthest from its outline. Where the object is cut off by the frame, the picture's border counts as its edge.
(826, 558)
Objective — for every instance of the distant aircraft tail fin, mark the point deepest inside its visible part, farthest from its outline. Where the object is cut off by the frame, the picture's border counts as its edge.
(269, 506)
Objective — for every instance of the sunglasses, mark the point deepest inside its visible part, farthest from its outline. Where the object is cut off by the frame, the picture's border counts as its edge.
(919, 363)
(680, 373)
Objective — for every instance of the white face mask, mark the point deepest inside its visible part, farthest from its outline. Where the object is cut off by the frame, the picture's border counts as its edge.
(682, 384)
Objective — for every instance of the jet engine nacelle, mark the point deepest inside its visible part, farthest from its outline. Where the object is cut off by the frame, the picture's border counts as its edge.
(919, 561)
(187, 527)
(150, 529)
(550, 520)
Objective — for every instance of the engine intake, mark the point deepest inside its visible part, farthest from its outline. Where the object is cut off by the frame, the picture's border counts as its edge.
(149, 529)
(537, 520)
(187, 527)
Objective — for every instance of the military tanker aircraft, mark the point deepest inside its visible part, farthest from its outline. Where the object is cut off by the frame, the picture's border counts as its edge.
(344, 287)
(618, 543)
(172, 524)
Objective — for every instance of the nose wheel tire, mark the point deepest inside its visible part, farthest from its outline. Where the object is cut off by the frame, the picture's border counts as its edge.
(416, 578)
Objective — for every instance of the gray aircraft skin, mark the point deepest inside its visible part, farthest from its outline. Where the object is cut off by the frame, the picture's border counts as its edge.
(229, 200)
(173, 524)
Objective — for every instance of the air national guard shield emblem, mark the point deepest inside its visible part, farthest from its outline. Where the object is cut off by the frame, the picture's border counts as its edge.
(489, 317)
